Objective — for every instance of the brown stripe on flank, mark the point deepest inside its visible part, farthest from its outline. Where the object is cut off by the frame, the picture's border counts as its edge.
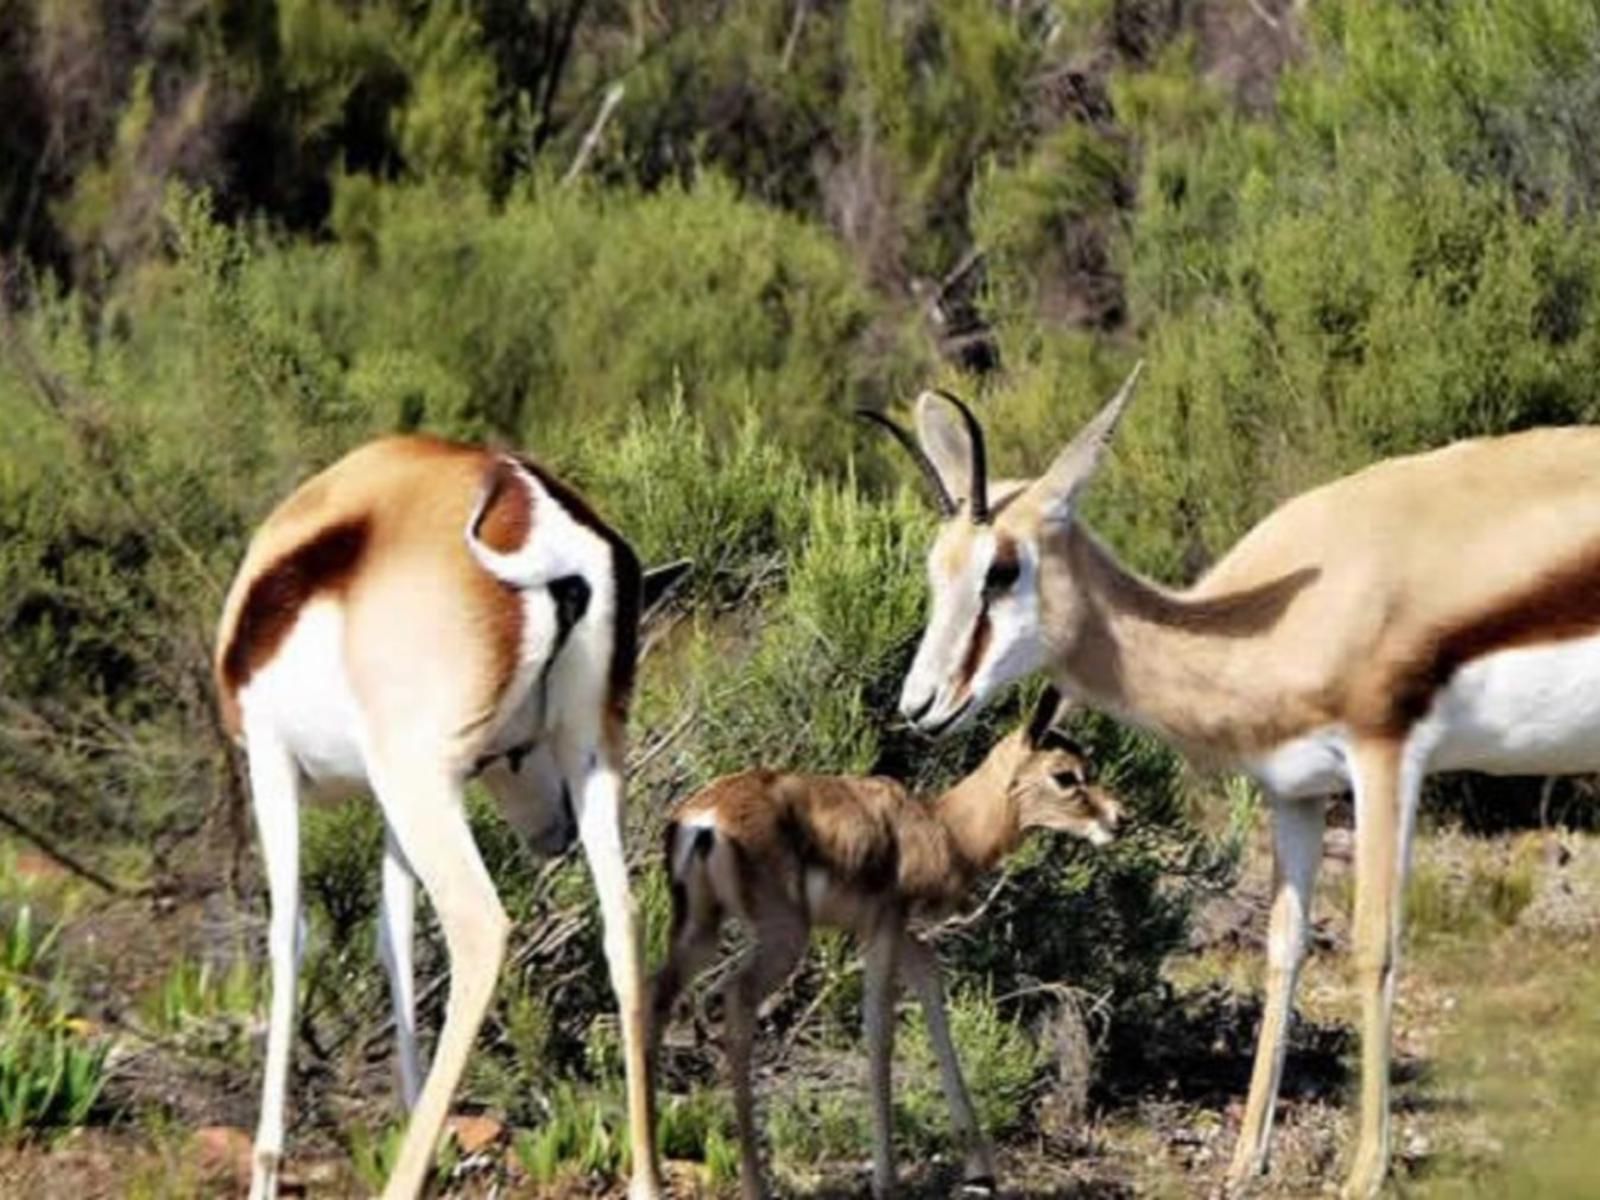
(323, 564)
(507, 514)
(1564, 604)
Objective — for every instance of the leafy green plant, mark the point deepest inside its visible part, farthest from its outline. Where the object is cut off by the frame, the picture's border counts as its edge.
(52, 1068)
(583, 1134)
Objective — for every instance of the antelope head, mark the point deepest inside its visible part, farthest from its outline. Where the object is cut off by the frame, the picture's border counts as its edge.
(1053, 788)
(986, 627)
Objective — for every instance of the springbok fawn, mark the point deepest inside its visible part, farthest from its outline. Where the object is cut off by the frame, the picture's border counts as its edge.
(417, 613)
(783, 853)
(1429, 613)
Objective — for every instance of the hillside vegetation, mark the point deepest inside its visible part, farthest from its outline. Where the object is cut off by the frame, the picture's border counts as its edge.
(668, 247)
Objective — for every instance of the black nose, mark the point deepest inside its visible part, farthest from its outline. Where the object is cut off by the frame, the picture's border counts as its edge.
(916, 714)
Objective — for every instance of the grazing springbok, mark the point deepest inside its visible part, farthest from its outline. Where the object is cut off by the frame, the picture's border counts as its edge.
(420, 612)
(784, 853)
(1435, 612)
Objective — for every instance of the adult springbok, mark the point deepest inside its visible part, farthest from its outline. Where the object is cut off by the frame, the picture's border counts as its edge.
(420, 612)
(785, 853)
(1434, 612)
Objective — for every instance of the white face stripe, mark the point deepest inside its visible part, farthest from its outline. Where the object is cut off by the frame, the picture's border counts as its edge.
(977, 639)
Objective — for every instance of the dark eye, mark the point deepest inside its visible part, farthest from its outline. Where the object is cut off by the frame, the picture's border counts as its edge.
(1002, 576)
(1068, 779)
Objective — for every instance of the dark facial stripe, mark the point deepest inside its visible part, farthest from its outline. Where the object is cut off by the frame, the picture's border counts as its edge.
(323, 564)
(1563, 604)
(981, 634)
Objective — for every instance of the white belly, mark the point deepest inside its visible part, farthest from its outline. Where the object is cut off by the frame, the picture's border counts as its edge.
(1531, 711)
(1528, 711)
(305, 694)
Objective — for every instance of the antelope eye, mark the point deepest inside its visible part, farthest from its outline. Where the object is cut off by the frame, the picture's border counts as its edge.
(1068, 779)
(1002, 576)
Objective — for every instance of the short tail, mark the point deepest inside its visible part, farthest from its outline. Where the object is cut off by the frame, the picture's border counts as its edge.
(686, 850)
(516, 510)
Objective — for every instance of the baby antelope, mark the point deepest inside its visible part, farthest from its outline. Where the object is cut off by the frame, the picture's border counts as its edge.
(783, 853)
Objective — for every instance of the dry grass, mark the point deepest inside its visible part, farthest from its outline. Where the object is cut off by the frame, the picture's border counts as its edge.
(1497, 1062)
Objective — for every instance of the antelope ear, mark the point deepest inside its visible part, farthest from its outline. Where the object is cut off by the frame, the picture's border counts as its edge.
(947, 443)
(1045, 714)
(658, 584)
(1058, 487)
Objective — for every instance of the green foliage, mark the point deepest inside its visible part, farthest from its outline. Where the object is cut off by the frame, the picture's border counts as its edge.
(52, 1068)
(729, 508)
(582, 1135)
(1395, 247)
(218, 1003)
(373, 1152)
(999, 1060)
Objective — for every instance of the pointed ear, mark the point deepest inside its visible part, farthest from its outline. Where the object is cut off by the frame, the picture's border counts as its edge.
(657, 584)
(1044, 715)
(1059, 487)
(947, 443)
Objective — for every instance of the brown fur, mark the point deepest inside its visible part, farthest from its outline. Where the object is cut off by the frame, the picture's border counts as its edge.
(413, 496)
(321, 565)
(1353, 603)
(873, 838)
(880, 856)
(1343, 614)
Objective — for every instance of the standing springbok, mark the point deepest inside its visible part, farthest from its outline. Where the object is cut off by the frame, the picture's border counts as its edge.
(784, 853)
(1434, 612)
(419, 612)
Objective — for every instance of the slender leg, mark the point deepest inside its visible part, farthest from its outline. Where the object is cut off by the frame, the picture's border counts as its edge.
(920, 968)
(878, 1025)
(778, 944)
(691, 950)
(423, 805)
(600, 828)
(275, 793)
(396, 928)
(1387, 781)
(1297, 828)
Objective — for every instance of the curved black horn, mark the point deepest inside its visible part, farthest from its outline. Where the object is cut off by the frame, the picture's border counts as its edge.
(979, 483)
(941, 494)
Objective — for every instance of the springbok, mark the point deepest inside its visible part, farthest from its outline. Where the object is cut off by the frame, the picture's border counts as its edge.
(417, 613)
(784, 853)
(1433, 612)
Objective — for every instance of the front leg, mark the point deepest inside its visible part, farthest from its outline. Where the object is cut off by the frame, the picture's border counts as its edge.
(1297, 829)
(881, 953)
(920, 967)
(600, 828)
(1388, 779)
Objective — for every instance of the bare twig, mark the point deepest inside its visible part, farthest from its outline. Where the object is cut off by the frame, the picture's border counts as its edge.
(23, 830)
(793, 40)
(591, 139)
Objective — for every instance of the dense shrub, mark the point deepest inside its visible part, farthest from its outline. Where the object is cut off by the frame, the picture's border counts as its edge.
(1393, 246)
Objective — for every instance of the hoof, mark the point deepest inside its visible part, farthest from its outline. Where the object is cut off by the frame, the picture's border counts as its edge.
(264, 1178)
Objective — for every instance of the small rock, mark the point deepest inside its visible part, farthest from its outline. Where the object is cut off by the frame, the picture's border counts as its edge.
(475, 1133)
(222, 1150)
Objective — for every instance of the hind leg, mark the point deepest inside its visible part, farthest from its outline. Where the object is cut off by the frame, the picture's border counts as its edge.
(422, 802)
(396, 936)
(275, 797)
(778, 943)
